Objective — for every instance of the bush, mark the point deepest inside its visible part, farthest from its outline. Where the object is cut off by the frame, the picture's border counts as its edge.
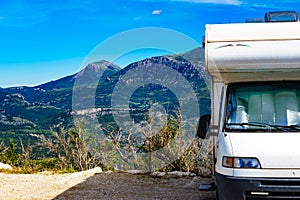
(70, 148)
(186, 159)
(67, 151)
(8, 154)
(169, 139)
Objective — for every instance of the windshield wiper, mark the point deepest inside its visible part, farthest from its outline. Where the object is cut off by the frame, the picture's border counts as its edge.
(288, 128)
(267, 126)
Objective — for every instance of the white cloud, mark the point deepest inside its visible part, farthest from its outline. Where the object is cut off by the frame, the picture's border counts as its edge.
(156, 12)
(224, 2)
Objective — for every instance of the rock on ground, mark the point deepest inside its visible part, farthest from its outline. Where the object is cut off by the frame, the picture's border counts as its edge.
(5, 166)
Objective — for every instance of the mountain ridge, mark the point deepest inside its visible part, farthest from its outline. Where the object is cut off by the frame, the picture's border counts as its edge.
(38, 109)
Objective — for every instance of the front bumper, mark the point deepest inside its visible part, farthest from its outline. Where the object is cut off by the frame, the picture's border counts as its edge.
(237, 188)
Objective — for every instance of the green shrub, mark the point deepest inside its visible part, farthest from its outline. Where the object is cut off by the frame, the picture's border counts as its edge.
(8, 154)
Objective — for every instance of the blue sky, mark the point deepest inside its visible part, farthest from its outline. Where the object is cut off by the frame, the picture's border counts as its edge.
(43, 40)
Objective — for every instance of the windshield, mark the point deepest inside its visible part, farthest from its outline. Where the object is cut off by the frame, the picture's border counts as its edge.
(264, 106)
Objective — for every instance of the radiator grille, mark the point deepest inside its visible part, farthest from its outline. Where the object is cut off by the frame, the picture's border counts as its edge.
(280, 183)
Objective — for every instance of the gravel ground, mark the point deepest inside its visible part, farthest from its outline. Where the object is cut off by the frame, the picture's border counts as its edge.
(93, 185)
(39, 186)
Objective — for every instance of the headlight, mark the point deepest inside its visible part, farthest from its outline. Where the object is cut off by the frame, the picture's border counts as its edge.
(235, 162)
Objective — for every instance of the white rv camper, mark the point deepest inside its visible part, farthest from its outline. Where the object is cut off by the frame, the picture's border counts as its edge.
(255, 71)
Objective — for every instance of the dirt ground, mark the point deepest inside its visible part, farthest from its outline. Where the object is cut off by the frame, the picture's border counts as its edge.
(93, 185)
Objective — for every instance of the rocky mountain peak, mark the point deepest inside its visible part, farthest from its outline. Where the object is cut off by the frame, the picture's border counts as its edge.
(98, 67)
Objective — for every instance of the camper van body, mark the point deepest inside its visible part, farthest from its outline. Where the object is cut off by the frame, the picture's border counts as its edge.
(255, 73)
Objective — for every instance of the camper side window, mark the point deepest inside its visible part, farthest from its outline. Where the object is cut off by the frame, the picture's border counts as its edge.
(263, 106)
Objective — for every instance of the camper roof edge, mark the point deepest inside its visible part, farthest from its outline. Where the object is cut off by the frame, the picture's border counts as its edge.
(253, 52)
(252, 32)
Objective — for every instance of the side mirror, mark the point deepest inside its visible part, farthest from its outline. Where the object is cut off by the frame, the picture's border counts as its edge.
(203, 126)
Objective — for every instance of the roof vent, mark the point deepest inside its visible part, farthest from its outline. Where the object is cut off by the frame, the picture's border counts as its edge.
(282, 16)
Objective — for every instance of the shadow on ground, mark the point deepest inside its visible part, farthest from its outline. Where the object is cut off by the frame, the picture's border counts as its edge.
(128, 186)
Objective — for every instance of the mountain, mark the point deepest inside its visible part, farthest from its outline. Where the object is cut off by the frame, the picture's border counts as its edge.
(59, 93)
(25, 110)
(142, 84)
(195, 55)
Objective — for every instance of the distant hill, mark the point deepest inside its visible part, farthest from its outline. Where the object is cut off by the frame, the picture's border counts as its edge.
(25, 110)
